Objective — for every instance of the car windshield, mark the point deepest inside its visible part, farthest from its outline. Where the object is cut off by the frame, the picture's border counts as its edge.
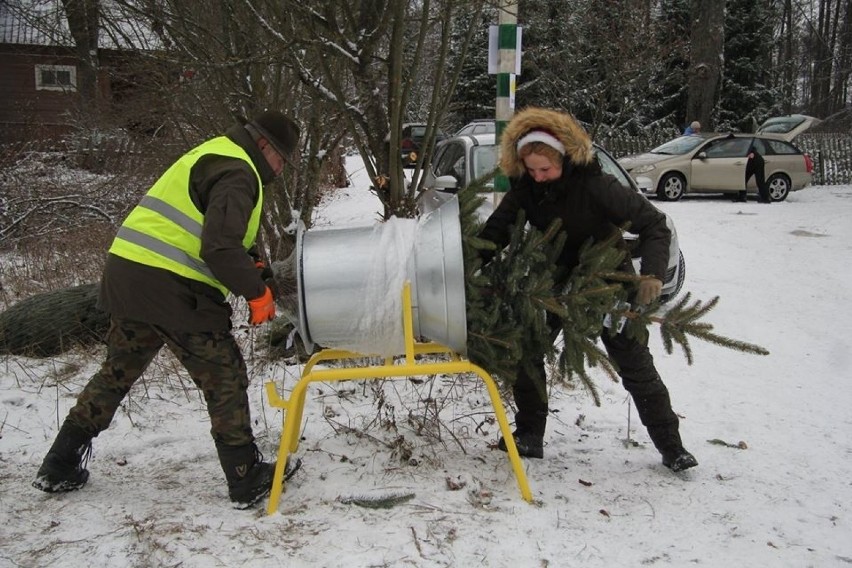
(484, 160)
(611, 167)
(477, 127)
(679, 146)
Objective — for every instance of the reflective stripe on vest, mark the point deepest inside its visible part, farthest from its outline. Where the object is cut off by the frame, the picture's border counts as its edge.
(164, 249)
(164, 229)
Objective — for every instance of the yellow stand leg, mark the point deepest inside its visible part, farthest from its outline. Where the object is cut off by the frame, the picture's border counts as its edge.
(294, 406)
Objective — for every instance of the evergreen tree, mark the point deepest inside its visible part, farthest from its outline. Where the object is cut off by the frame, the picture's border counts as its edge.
(668, 98)
(476, 90)
(747, 96)
(508, 298)
(618, 54)
(598, 68)
(549, 61)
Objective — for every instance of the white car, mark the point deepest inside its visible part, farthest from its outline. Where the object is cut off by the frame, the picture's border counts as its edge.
(462, 159)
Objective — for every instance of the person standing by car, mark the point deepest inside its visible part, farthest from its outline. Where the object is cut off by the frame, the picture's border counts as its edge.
(756, 166)
(554, 174)
(177, 255)
(693, 128)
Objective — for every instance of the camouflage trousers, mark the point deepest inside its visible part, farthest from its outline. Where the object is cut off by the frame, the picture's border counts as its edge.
(213, 360)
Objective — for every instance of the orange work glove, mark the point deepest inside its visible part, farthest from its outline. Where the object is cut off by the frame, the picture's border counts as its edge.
(648, 291)
(262, 308)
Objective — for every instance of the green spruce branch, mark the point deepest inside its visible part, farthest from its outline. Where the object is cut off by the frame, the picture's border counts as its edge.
(680, 322)
(509, 297)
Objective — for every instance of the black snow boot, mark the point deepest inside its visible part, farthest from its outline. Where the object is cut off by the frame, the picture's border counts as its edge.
(678, 459)
(529, 444)
(249, 477)
(668, 443)
(655, 411)
(64, 466)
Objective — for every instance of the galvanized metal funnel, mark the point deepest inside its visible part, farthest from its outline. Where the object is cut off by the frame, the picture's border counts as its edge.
(337, 272)
(440, 312)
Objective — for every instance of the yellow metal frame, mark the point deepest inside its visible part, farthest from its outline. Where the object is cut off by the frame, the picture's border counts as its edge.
(294, 406)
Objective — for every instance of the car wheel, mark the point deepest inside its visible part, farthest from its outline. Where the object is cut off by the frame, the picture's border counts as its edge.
(672, 186)
(779, 187)
(681, 278)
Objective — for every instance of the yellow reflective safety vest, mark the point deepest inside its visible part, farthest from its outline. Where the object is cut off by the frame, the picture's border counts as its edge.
(164, 229)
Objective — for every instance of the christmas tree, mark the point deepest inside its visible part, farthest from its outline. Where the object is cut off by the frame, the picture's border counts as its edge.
(508, 299)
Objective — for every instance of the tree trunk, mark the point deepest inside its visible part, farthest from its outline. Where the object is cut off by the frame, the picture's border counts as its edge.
(821, 77)
(83, 23)
(787, 62)
(843, 68)
(707, 39)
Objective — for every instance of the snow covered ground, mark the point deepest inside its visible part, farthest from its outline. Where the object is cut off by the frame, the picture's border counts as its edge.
(772, 435)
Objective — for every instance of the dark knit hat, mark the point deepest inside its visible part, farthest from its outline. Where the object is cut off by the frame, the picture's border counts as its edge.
(280, 130)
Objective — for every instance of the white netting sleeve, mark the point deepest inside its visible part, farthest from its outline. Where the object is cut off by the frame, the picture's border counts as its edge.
(376, 324)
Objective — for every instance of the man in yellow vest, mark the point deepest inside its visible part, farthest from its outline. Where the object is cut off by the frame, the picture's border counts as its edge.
(175, 258)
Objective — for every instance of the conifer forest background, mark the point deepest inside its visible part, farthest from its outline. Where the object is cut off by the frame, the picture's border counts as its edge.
(353, 72)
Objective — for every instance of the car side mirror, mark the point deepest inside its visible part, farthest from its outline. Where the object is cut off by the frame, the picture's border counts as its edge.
(701, 155)
(447, 183)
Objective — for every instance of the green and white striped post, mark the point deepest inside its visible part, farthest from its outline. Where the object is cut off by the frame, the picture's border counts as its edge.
(507, 53)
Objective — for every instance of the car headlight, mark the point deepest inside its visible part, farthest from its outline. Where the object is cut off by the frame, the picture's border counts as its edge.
(644, 169)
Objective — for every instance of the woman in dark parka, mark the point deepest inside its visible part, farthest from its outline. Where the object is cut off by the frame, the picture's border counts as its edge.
(554, 173)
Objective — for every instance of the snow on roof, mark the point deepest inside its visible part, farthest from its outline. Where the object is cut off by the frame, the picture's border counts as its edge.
(43, 22)
(33, 23)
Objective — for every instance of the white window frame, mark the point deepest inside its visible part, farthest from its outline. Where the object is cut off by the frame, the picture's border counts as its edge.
(45, 87)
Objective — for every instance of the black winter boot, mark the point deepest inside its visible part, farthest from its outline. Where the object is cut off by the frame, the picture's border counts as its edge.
(655, 411)
(64, 466)
(678, 459)
(249, 477)
(668, 443)
(530, 445)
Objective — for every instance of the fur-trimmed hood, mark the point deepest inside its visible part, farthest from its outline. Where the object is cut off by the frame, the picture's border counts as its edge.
(578, 145)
